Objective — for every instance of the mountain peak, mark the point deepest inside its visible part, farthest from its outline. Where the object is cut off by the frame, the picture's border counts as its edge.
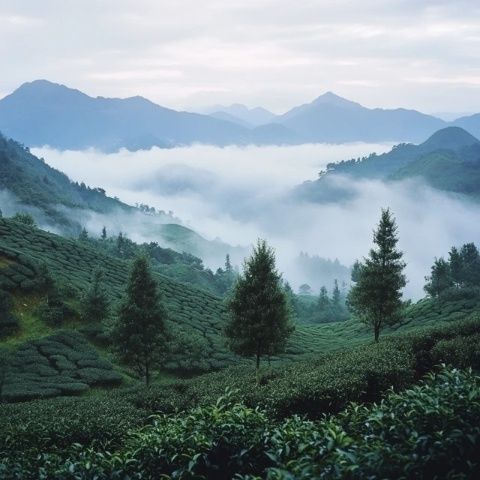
(330, 98)
(450, 138)
(44, 88)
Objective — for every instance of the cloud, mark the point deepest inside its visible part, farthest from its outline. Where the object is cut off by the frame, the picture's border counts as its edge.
(240, 194)
(186, 54)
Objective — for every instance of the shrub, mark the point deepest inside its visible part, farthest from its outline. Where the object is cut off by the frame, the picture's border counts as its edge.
(61, 364)
(430, 431)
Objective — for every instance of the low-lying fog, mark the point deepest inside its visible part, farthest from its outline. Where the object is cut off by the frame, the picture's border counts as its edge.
(238, 195)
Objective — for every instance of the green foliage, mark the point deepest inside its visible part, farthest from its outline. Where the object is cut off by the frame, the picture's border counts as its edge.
(8, 322)
(24, 218)
(260, 318)
(196, 312)
(376, 296)
(456, 276)
(61, 364)
(35, 183)
(429, 431)
(140, 332)
(95, 303)
(59, 423)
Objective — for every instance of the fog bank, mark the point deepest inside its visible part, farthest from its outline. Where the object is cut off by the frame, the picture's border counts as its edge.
(240, 194)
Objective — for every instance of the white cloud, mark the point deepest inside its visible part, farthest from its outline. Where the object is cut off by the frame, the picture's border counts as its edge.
(240, 194)
(185, 53)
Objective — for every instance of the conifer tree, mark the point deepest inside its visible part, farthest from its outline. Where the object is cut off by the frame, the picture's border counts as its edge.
(83, 237)
(95, 303)
(140, 332)
(376, 297)
(440, 278)
(104, 233)
(323, 300)
(259, 323)
(336, 296)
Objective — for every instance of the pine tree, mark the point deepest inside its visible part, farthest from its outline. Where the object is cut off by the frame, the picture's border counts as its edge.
(83, 237)
(259, 321)
(440, 278)
(140, 332)
(104, 233)
(336, 296)
(470, 262)
(228, 265)
(455, 260)
(323, 300)
(95, 303)
(376, 296)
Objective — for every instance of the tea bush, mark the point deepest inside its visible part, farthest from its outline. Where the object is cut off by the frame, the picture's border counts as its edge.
(429, 431)
(61, 364)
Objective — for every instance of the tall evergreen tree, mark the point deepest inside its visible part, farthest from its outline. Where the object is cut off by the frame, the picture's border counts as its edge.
(83, 237)
(260, 322)
(104, 233)
(376, 297)
(440, 278)
(336, 296)
(470, 260)
(455, 260)
(140, 332)
(323, 300)
(95, 303)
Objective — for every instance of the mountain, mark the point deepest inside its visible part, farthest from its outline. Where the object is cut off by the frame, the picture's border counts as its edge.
(230, 118)
(448, 160)
(470, 123)
(334, 119)
(184, 239)
(44, 113)
(238, 113)
(49, 192)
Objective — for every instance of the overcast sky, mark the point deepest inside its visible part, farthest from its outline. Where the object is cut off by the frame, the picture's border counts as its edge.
(422, 54)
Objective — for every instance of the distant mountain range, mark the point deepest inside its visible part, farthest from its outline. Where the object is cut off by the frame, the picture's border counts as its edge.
(43, 113)
(448, 160)
(238, 113)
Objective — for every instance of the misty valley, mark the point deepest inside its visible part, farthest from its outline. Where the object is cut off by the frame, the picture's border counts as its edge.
(230, 291)
(119, 320)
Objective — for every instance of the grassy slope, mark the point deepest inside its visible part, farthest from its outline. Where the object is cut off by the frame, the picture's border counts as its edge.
(198, 316)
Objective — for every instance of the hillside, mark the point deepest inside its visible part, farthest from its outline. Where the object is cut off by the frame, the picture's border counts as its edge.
(36, 185)
(448, 160)
(197, 317)
(184, 239)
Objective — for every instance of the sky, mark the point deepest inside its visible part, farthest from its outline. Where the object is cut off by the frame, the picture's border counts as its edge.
(188, 54)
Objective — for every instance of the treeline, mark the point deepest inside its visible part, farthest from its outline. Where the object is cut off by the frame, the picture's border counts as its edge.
(458, 274)
(323, 308)
(182, 266)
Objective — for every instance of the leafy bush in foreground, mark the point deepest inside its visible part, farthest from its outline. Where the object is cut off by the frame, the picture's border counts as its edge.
(429, 431)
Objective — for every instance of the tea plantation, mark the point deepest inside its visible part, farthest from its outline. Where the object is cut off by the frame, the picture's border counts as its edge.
(196, 317)
(60, 364)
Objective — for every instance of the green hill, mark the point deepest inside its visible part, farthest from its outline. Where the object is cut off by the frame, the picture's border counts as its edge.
(445, 170)
(196, 318)
(48, 191)
(448, 160)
